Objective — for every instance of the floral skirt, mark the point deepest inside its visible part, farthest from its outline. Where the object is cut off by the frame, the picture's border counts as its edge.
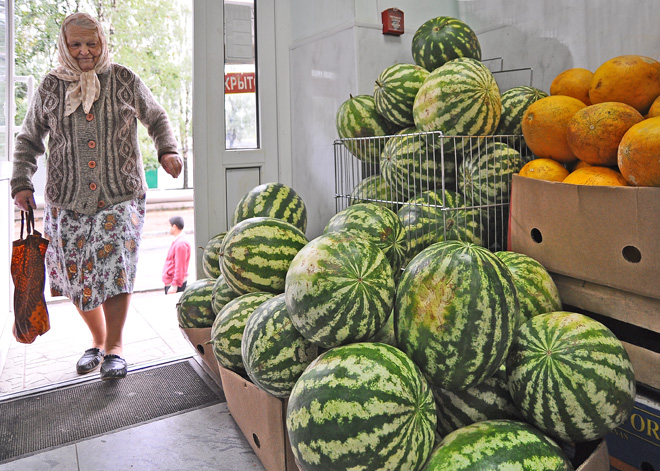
(91, 258)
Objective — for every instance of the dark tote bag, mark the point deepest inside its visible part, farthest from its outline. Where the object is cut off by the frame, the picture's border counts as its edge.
(28, 271)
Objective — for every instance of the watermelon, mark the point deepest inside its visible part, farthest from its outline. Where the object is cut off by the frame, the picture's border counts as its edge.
(484, 178)
(456, 312)
(194, 308)
(357, 118)
(274, 353)
(487, 400)
(339, 289)
(221, 294)
(570, 376)
(460, 98)
(374, 189)
(363, 406)
(211, 256)
(256, 254)
(395, 91)
(386, 333)
(376, 223)
(498, 445)
(442, 39)
(228, 327)
(514, 104)
(537, 291)
(431, 218)
(410, 166)
(275, 200)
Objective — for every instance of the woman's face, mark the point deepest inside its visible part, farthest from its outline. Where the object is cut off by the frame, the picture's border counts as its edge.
(84, 45)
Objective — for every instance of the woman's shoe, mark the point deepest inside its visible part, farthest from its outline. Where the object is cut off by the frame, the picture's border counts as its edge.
(90, 360)
(113, 367)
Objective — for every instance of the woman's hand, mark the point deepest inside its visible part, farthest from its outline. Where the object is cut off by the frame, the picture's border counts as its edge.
(24, 200)
(172, 164)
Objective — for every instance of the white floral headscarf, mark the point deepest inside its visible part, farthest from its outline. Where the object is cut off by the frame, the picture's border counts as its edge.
(85, 87)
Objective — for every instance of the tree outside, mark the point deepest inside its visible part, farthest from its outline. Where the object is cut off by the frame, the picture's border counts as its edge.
(152, 37)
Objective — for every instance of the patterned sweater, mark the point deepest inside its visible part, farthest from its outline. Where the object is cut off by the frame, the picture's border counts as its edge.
(93, 159)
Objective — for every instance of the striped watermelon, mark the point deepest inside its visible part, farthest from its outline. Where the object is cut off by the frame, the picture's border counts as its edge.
(357, 118)
(456, 313)
(274, 353)
(430, 218)
(395, 91)
(410, 166)
(386, 333)
(484, 177)
(211, 256)
(256, 254)
(570, 376)
(362, 406)
(221, 294)
(442, 39)
(498, 445)
(537, 291)
(275, 200)
(374, 189)
(514, 104)
(194, 308)
(339, 289)
(228, 327)
(487, 400)
(376, 223)
(460, 98)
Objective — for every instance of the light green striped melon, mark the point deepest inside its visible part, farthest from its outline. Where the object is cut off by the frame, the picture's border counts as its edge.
(376, 223)
(430, 218)
(410, 166)
(386, 333)
(487, 400)
(485, 175)
(256, 254)
(498, 445)
(211, 256)
(537, 291)
(374, 189)
(274, 353)
(194, 309)
(456, 313)
(358, 118)
(363, 406)
(460, 98)
(221, 294)
(515, 102)
(442, 39)
(570, 376)
(228, 327)
(395, 91)
(275, 200)
(339, 289)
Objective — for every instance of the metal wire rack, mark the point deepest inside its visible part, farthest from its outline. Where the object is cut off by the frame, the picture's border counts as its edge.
(442, 187)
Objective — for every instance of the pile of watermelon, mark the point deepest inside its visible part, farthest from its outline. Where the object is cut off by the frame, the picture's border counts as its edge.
(399, 338)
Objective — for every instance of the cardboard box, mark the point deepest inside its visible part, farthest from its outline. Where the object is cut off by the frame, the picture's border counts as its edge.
(199, 339)
(604, 235)
(635, 445)
(261, 417)
(598, 460)
(634, 319)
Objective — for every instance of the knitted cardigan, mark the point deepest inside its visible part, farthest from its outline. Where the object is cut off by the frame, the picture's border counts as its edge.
(93, 159)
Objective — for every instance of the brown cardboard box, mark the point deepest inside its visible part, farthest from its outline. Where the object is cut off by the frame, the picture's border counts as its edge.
(261, 418)
(199, 339)
(634, 319)
(605, 235)
(599, 460)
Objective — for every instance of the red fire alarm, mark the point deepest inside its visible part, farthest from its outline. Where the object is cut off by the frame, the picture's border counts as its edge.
(392, 21)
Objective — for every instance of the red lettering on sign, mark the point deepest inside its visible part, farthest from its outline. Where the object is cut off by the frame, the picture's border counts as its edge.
(239, 82)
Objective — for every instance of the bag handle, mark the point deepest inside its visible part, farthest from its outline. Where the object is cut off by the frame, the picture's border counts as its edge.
(30, 221)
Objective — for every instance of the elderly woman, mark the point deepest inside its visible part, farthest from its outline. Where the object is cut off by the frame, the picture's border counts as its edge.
(95, 184)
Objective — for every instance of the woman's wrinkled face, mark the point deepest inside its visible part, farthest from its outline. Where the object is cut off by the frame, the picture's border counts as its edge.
(84, 45)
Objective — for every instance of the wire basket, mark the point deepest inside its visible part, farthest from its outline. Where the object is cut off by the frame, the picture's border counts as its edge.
(442, 187)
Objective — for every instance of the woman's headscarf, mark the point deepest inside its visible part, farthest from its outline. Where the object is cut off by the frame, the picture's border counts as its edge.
(85, 87)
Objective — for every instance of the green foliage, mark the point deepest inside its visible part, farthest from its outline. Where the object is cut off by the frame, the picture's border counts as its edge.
(151, 37)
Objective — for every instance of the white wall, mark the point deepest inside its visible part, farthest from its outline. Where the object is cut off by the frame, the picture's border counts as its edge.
(338, 49)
